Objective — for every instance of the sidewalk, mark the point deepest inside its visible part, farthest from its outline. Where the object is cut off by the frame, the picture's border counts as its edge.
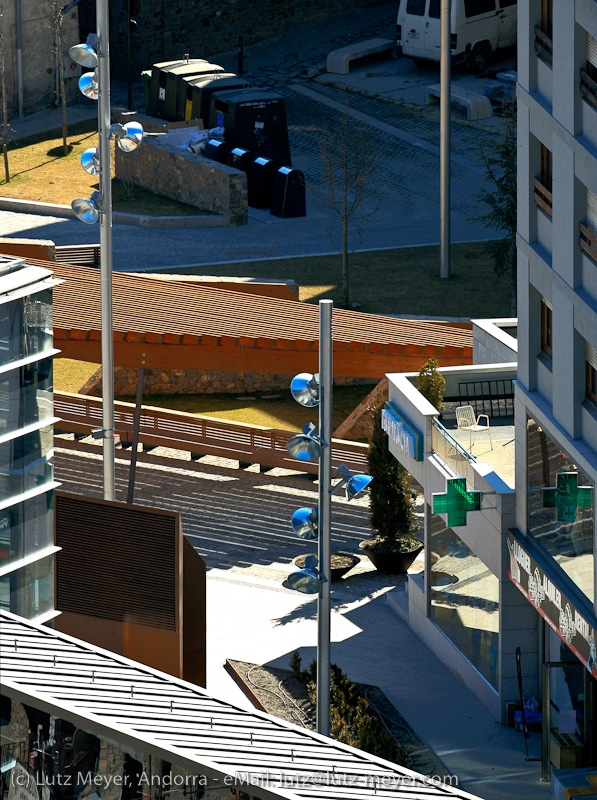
(255, 620)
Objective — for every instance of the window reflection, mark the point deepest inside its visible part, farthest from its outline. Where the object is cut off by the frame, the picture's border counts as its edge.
(29, 591)
(464, 599)
(26, 527)
(26, 462)
(25, 395)
(570, 543)
(25, 326)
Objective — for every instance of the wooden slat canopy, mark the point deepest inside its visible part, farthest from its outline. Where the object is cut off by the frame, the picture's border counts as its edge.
(171, 325)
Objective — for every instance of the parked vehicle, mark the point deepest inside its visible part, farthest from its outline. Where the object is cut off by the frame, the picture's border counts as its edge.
(479, 28)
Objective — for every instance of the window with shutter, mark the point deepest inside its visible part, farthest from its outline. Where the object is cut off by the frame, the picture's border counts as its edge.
(591, 372)
(591, 210)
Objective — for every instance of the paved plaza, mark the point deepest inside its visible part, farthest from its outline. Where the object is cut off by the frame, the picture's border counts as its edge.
(238, 521)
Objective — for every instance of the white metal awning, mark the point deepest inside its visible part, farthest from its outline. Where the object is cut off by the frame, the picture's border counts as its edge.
(117, 698)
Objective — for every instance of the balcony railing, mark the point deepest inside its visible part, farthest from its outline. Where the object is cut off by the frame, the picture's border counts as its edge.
(542, 197)
(588, 241)
(588, 87)
(543, 46)
(452, 453)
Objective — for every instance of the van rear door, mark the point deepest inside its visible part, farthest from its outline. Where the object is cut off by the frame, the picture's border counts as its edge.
(507, 16)
(433, 31)
(413, 19)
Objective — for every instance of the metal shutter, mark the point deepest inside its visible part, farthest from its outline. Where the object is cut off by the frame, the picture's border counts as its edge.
(591, 354)
(591, 50)
(592, 211)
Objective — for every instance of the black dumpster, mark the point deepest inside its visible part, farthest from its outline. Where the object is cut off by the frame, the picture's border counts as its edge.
(157, 84)
(175, 83)
(254, 120)
(240, 159)
(195, 95)
(288, 194)
(261, 182)
(217, 151)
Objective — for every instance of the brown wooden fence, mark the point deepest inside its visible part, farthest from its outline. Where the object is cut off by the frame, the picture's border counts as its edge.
(202, 435)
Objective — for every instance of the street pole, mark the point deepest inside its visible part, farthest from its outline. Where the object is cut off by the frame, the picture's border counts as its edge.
(325, 508)
(105, 222)
(445, 100)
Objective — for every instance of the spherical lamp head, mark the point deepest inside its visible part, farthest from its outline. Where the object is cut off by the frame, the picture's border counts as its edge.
(304, 523)
(356, 485)
(132, 137)
(305, 389)
(84, 55)
(305, 447)
(87, 210)
(90, 161)
(307, 580)
(89, 86)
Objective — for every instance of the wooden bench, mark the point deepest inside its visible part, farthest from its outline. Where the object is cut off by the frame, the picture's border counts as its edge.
(477, 105)
(339, 61)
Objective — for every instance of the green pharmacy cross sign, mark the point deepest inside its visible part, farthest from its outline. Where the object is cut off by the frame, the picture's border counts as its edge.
(567, 496)
(456, 502)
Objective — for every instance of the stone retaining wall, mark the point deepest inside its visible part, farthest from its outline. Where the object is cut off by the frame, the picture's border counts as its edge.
(193, 381)
(169, 171)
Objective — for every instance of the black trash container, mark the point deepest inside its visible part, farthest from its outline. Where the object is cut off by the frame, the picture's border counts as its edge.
(175, 84)
(240, 159)
(157, 84)
(261, 182)
(217, 151)
(195, 98)
(254, 120)
(288, 194)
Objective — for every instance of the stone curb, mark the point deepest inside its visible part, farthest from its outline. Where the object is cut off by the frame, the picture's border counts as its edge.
(403, 103)
(118, 217)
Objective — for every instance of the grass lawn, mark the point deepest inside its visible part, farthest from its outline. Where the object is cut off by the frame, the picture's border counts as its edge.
(285, 413)
(41, 172)
(401, 281)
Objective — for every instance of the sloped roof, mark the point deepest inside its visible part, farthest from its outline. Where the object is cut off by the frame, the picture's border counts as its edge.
(155, 713)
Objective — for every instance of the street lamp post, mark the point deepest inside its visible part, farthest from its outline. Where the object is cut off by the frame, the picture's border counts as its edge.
(95, 54)
(325, 508)
(308, 523)
(105, 222)
(445, 102)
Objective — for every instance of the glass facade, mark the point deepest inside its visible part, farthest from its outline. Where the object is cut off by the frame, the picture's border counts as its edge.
(25, 395)
(560, 507)
(26, 528)
(29, 591)
(26, 457)
(464, 597)
(26, 327)
(26, 462)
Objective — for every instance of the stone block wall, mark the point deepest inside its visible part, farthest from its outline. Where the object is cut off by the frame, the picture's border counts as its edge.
(167, 29)
(169, 171)
(193, 381)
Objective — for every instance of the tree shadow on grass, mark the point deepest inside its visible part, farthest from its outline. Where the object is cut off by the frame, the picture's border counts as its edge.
(58, 152)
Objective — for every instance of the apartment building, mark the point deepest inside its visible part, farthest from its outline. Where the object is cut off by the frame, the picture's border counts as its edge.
(26, 441)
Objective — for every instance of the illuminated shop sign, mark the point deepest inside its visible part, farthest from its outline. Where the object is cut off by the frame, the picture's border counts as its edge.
(402, 433)
(456, 502)
(575, 628)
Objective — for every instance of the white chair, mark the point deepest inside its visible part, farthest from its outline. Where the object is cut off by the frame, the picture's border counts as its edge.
(465, 418)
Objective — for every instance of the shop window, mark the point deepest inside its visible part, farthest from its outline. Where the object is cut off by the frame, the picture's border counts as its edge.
(560, 507)
(546, 328)
(464, 596)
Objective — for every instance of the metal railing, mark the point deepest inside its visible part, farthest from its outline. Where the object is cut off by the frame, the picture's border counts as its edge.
(588, 87)
(199, 435)
(543, 45)
(452, 453)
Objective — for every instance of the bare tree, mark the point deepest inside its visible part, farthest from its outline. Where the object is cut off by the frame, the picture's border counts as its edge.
(56, 17)
(349, 160)
(3, 93)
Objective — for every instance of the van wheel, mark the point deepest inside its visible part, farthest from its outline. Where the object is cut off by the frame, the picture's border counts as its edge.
(479, 58)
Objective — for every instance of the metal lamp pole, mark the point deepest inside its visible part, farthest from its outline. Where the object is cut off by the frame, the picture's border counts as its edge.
(445, 100)
(325, 508)
(105, 222)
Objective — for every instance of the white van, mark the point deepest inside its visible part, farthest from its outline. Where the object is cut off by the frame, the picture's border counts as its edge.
(479, 27)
